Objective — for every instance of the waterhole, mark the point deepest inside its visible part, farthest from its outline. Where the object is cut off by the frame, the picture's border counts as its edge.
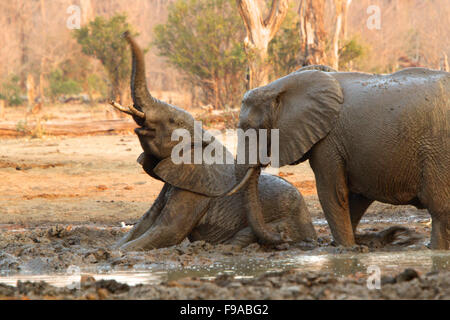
(389, 263)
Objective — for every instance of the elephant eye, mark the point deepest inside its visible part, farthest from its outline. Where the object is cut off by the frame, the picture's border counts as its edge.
(171, 120)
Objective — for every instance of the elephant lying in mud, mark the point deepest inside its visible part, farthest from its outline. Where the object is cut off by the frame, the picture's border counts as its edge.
(368, 137)
(197, 200)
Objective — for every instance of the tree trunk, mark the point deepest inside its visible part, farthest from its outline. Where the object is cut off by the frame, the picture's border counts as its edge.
(30, 91)
(87, 11)
(260, 31)
(2, 109)
(444, 64)
(42, 71)
(341, 9)
(312, 31)
(345, 18)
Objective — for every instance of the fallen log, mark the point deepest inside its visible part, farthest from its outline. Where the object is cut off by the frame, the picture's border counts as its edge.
(69, 128)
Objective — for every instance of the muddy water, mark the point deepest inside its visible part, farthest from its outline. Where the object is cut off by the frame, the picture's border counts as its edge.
(389, 263)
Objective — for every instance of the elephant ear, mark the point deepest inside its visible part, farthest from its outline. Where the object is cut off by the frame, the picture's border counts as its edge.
(208, 179)
(148, 163)
(309, 103)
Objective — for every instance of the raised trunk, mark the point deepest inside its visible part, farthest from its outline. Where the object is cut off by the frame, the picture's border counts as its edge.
(255, 216)
(139, 91)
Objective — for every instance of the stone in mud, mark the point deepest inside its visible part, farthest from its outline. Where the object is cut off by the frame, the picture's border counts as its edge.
(112, 286)
(40, 288)
(57, 231)
(102, 254)
(87, 281)
(224, 280)
(407, 275)
(291, 290)
(7, 291)
(102, 293)
(387, 280)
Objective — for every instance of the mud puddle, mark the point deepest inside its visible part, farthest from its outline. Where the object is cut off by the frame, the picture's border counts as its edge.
(339, 265)
(399, 220)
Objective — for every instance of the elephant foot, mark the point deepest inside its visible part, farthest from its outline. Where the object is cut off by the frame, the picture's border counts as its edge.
(277, 234)
(132, 246)
(440, 234)
(398, 236)
(126, 238)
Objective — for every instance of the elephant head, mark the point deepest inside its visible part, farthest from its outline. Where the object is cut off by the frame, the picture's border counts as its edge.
(303, 106)
(157, 121)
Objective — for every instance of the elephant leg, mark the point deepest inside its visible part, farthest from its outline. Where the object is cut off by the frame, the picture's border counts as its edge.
(243, 238)
(435, 196)
(358, 205)
(247, 236)
(181, 213)
(333, 195)
(440, 232)
(147, 219)
(402, 236)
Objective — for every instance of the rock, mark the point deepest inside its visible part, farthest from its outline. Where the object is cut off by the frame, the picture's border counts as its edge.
(7, 291)
(87, 281)
(40, 288)
(407, 275)
(112, 286)
(387, 280)
(102, 254)
(57, 231)
(90, 296)
(90, 258)
(294, 290)
(102, 293)
(223, 280)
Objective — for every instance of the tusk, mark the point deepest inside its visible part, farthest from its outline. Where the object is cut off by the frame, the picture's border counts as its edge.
(119, 107)
(243, 182)
(136, 112)
(131, 110)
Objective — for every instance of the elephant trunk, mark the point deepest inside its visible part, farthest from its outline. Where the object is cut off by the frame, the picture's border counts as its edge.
(255, 216)
(139, 91)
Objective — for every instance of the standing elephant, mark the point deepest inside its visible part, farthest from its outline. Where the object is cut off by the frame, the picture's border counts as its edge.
(368, 137)
(199, 201)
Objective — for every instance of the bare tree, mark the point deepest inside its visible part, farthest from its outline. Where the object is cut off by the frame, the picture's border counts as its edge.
(341, 10)
(312, 31)
(444, 63)
(260, 31)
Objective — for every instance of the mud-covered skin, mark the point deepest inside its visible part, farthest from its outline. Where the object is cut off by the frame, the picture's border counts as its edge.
(177, 214)
(368, 137)
(193, 202)
(283, 207)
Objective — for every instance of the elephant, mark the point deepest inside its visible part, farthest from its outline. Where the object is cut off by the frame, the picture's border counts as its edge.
(199, 201)
(367, 137)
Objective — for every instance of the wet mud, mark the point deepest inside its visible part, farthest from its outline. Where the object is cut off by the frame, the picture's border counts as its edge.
(65, 201)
